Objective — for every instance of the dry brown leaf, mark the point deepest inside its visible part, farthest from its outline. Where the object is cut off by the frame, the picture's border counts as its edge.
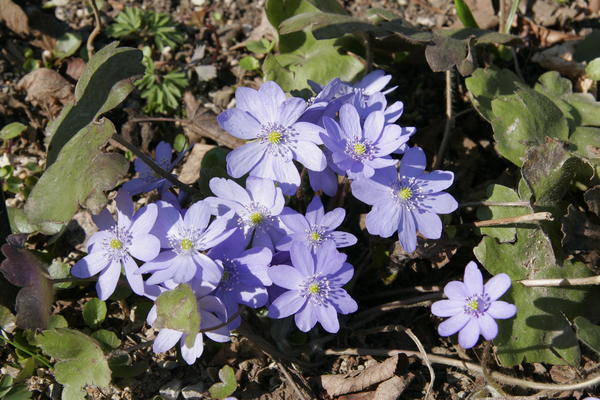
(336, 385)
(393, 387)
(14, 17)
(75, 67)
(204, 124)
(483, 12)
(190, 171)
(560, 58)
(47, 87)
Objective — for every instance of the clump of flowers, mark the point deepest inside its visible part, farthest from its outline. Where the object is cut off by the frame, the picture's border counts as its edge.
(243, 247)
(473, 307)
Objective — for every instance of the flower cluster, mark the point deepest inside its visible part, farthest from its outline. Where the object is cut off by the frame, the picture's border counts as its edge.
(244, 247)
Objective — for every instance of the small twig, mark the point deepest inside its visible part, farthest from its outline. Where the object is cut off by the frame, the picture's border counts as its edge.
(418, 301)
(96, 31)
(155, 167)
(590, 280)
(539, 216)
(425, 358)
(161, 119)
(282, 368)
(495, 204)
(449, 121)
(472, 367)
(17, 346)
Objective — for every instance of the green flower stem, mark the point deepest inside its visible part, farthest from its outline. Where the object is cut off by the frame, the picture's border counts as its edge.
(155, 167)
(41, 359)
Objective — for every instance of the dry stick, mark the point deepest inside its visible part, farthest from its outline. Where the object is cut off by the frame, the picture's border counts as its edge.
(590, 280)
(287, 375)
(418, 301)
(495, 204)
(155, 167)
(539, 216)
(424, 358)
(96, 31)
(465, 365)
(449, 121)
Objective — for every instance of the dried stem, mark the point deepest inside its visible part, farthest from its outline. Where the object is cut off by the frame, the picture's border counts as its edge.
(472, 367)
(590, 280)
(418, 301)
(96, 31)
(449, 121)
(155, 167)
(425, 358)
(229, 320)
(539, 216)
(495, 204)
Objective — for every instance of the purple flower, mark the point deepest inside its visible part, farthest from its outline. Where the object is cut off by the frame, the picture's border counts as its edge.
(314, 286)
(212, 313)
(148, 179)
(255, 209)
(186, 238)
(316, 228)
(270, 121)
(112, 248)
(244, 274)
(360, 150)
(408, 201)
(473, 307)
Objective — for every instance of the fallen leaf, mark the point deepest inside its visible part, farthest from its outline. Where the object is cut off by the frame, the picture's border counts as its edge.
(46, 87)
(393, 387)
(14, 17)
(190, 171)
(336, 385)
(75, 67)
(23, 269)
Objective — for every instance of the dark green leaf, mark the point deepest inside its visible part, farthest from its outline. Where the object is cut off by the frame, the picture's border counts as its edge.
(94, 312)
(549, 170)
(484, 85)
(588, 333)
(524, 119)
(107, 339)
(103, 85)
(586, 142)
(80, 361)
(227, 385)
(499, 193)
(23, 269)
(326, 25)
(78, 177)
(18, 392)
(122, 366)
(177, 309)
(12, 130)
(57, 321)
(60, 270)
(213, 165)
(587, 49)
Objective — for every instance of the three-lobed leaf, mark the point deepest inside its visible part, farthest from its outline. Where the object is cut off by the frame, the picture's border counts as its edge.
(79, 361)
(227, 386)
(178, 309)
(500, 193)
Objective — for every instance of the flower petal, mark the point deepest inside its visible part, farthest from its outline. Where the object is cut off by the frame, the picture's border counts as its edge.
(286, 304)
(244, 158)
(144, 247)
(439, 203)
(309, 132)
(291, 110)
(343, 303)
(384, 219)
(325, 180)
(373, 126)
(497, 286)
(90, 265)
(343, 239)
(165, 339)
(285, 276)
(310, 155)
(124, 208)
(184, 269)
(191, 354)
(501, 310)
(453, 324)
(487, 326)
(104, 220)
(428, 224)
(198, 215)
(261, 190)
(469, 335)
(238, 123)
(447, 308)
(413, 162)
(456, 290)
(334, 218)
(135, 280)
(108, 279)
(315, 211)
(302, 259)
(306, 317)
(144, 220)
(350, 122)
(435, 181)
(407, 231)
(295, 221)
(327, 316)
(285, 173)
(271, 97)
(473, 279)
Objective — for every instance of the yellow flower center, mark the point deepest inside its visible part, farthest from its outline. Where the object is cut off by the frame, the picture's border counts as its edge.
(116, 244)
(359, 148)
(473, 305)
(313, 288)
(274, 137)
(256, 218)
(405, 193)
(315, 236)
(186, 244)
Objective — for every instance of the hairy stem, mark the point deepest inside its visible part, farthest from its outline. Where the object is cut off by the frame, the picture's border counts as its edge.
(96, 31)
(590, 280)
(539, 216)
(449, 121)
(154, 166)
